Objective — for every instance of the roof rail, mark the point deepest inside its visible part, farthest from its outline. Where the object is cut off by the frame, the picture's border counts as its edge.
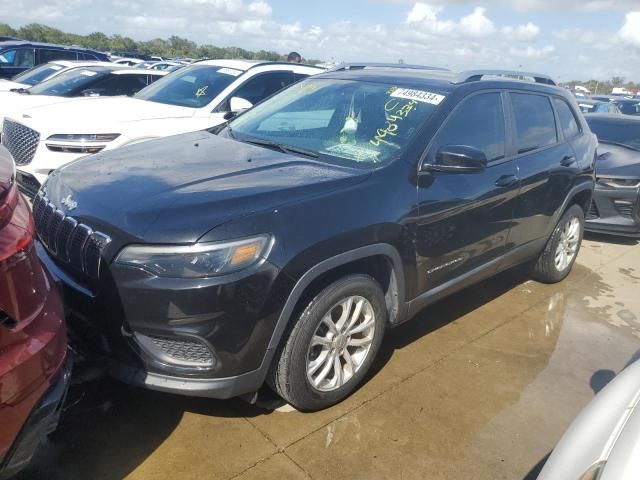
(476, 75)
(362, 66)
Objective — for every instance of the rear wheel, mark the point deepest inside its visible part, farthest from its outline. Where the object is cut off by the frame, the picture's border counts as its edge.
(332, 345)
(557, 259)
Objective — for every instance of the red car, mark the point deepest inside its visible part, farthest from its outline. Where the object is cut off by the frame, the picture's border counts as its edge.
(34, 368)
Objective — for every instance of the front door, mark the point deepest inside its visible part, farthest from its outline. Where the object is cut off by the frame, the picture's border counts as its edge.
(465, 218)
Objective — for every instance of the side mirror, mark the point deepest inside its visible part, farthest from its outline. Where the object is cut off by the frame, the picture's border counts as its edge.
(458, 159)
(238, 104)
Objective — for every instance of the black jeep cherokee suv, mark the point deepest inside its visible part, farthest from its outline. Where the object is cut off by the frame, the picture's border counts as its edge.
(281, 248)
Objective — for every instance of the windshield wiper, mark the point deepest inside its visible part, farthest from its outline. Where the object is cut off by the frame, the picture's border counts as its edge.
(23, 91)
(619, 144)
(282, 148)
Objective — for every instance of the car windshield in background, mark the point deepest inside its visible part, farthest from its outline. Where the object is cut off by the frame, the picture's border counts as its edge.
(193, 86)
(629, 107)
(68, 83)
(627, 134)
(37, 74)
(356, 123)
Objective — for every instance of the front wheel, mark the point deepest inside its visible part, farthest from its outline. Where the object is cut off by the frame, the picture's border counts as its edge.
(332, 345)
(557, 259)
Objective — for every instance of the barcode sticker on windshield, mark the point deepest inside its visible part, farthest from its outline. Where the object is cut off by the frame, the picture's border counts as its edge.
(230, 71)
(56, 67)
(88, 73)
(418, 95)
(586, 105)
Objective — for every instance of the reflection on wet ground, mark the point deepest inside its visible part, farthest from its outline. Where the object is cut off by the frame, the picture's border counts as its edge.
(480, 386)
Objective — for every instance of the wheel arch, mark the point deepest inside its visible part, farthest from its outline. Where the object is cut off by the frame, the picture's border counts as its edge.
(382, 261)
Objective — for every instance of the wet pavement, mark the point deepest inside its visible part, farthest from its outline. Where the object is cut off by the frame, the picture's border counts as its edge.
(480, 385)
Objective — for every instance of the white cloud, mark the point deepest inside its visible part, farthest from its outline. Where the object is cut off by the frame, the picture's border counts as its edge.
(522, 33)
(630, 31)
(532, 52)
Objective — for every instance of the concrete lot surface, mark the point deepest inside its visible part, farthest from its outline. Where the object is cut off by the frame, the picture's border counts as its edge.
(481, 385)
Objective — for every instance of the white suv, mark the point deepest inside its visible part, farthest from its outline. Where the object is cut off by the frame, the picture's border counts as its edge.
(196, 97)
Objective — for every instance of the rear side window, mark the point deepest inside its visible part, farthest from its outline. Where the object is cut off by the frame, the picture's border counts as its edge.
(86, 56)
(568, 121)
(47, 55)
(535, 121)
(479, 123)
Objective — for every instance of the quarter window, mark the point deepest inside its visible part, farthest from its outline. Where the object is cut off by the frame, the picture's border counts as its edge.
(477, 123)
(535, 121)
(568, 121)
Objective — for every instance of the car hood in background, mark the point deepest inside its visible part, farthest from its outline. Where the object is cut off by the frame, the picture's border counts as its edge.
(176, 189)
(98, 114)
(6, 85)
(617, 161)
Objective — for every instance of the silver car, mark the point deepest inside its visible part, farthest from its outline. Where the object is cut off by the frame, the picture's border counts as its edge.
(603, 442)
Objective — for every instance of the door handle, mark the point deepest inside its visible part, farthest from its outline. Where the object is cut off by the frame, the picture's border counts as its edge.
(507, 181)
(568, 161)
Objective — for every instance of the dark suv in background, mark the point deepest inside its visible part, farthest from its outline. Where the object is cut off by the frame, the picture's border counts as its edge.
(19, 56)
(282, 248)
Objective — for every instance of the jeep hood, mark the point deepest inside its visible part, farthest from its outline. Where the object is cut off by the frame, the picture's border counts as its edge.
(98, 114)
(176, 189)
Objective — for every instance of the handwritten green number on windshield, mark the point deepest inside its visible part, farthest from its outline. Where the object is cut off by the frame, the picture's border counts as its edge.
(202, 91)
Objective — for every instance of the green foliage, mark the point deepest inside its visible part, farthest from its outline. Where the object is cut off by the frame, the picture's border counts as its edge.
(173, 47)
(605, 87)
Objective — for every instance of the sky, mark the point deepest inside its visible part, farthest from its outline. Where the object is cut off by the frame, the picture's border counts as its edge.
(568, 39)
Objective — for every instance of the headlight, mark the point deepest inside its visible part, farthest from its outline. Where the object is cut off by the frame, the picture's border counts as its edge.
(618, 182)
(196, 261)
(594, 472)
(80, 143)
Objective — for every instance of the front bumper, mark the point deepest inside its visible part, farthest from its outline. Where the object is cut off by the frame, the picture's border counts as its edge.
(615, 211)
(193, 337)
(42, 421)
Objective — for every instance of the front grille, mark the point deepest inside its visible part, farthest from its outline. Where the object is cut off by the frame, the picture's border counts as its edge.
(21, 141)
(184, 349)
(593, 212)
(67, 240)
(625, 209)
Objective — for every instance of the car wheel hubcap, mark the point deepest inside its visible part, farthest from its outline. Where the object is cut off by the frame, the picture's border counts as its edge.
(568, 245)
(341, 343)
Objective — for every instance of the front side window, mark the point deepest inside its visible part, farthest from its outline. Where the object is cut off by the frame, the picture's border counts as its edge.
(354, 123)
(123, 84)
(38, 74)
(535, 121)
(261, 86)
(568, 121)
(47, 55)
(18, 58)
(195, 86)
(479, 123)
(69, 83)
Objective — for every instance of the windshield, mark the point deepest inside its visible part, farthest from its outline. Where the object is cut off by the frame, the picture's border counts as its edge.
(626, 134)
(38, 74)
(69, 83)
(629, 108)
(193, 86)
(354, 122)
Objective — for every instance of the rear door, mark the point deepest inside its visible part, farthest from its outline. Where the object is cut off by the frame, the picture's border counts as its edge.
(464, 218)
(546, 162)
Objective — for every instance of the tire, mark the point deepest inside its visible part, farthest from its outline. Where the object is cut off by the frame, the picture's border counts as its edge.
(548, 268)
(298, 366)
